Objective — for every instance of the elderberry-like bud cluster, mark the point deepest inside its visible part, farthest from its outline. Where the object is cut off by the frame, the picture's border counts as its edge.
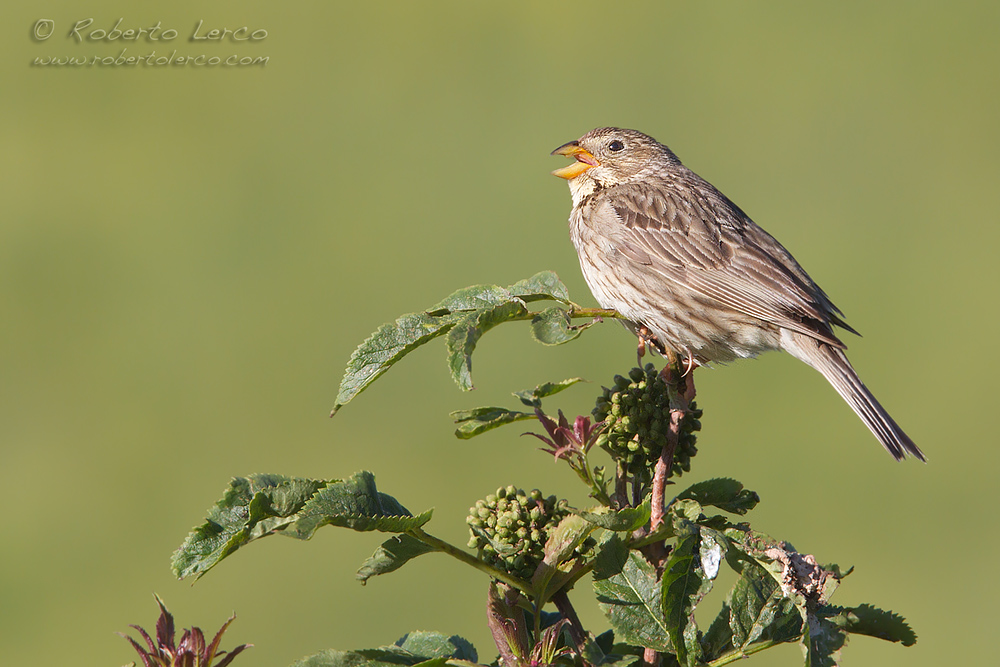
(510, 528)
(636, 414)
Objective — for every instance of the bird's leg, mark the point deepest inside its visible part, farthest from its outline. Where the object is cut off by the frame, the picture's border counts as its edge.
(644, 335)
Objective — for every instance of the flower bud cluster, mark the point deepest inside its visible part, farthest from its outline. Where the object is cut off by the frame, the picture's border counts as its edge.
(510, 528)
(636, 413)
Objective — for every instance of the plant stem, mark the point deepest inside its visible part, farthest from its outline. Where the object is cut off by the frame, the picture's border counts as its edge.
(469, 559)
(733, 656)
(679, 404)
(576, 631)
(577, 312)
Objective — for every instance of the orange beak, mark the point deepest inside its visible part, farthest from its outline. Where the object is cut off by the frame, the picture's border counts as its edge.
(584, 160)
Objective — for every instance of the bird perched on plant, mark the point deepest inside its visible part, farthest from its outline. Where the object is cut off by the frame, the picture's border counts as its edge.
(671, 253)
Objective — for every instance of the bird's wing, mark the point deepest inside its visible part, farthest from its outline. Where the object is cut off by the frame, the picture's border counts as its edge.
(703, 242)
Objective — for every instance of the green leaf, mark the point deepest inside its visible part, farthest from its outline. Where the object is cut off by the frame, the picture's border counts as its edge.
(872, 621)
(630, 596)
(533, 397)
(263, 505)
(759, 546)
(467, 331)
(562, 542)
(684, 584)
(476, 297)
(603, 650)
(625, 520)
(479, 420)
(759, 611)
(428, 649)
(718, 639)
(387, 656)
(821, 642)
(390, 343)
(684, 511)
(392, 555)
(542, 285)
(251, 507)
(507, 623)
(553, 326)
(428, 645)
(726, 494)
(354, 503)
(332, 658)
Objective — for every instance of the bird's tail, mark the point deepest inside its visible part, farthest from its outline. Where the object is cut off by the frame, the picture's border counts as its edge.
(832, 363)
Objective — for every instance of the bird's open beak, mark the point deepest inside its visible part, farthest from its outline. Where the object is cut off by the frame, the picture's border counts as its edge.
(584, 160)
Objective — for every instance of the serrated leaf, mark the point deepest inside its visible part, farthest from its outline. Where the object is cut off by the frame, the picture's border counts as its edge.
(603, 650)
(387, 656)
(332, 658)
(592, 652)
(684, 584)
(821, 642)
(475, 297)
(390, 343)
(873, 622)
(507, 624)
(628, 660)
(718, 639)
(357, 504)
(624, 520)
(263, 505)
(392, 555)
(479, 420)
(683, 511)
(759, 611)
(427, 649)
(756, 545)
(252, 507)
(428, 645)
(533, 397)
(467, 331)
(629, 594)
(542, 285)
(554, 326)
(726, 494)
(562, 541)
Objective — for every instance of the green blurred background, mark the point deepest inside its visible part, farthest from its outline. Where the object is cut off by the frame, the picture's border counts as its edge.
(188, 257)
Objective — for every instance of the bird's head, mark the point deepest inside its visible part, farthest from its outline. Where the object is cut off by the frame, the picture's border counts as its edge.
(609, 156)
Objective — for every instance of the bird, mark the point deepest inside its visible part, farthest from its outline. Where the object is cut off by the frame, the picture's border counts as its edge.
(678, 259)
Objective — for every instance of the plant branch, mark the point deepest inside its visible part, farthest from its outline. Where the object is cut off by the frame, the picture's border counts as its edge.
(576, 312)
(680, 400)
(576, 631)
(469, 559)
(741, 654)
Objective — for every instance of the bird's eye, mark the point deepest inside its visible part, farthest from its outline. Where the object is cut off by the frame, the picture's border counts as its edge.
(615, 146)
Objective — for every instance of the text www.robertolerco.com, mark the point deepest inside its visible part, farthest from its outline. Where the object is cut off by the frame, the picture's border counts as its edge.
(82, 32)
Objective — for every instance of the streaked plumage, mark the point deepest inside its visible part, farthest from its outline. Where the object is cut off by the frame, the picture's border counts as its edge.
(667, 250)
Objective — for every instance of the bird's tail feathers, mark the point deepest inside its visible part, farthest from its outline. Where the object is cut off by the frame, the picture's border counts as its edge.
(833, 364)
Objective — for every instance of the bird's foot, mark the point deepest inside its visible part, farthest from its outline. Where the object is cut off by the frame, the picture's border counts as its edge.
(647, 341)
